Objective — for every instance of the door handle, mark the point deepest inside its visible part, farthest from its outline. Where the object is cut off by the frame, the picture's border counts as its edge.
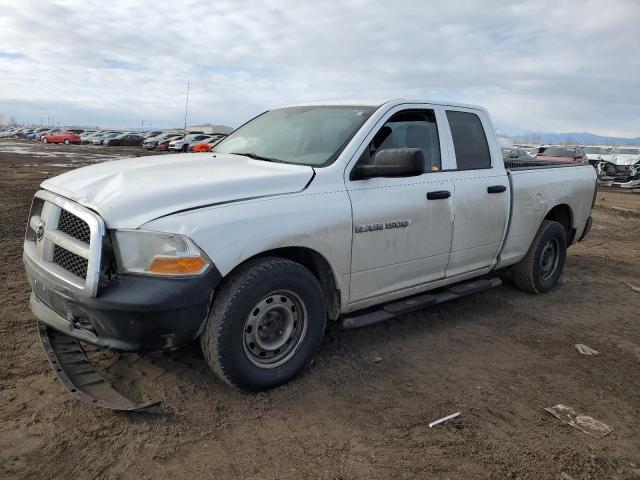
(437, 195)
(496, 189)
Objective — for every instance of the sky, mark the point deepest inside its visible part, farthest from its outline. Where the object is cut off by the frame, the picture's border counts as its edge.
(537, 65)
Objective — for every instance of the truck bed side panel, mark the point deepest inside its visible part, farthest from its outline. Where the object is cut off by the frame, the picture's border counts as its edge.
(535, 192)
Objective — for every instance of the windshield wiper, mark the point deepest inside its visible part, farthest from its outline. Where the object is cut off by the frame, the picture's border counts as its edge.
(255, 156)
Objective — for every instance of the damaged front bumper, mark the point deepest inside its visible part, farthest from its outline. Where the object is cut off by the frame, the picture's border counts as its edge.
(618, 176)
(131, 313)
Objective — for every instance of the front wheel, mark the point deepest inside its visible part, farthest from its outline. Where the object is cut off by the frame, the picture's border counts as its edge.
(265, 324)
(540, 270)
(44, 140)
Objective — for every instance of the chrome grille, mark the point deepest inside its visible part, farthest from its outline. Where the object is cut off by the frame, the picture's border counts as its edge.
(70, 261)
(64, 239)
(74, 226)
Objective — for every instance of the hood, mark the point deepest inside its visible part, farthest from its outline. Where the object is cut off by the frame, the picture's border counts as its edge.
(620, 159)
(127, 193)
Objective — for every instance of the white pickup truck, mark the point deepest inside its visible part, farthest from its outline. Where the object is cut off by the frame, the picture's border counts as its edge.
(337, 210)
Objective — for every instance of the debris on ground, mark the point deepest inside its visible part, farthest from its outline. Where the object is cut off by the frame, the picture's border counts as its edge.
(566, 476)
(444, 419)
(377, 359)
(584, 350)
(633, 287)
(584, 423)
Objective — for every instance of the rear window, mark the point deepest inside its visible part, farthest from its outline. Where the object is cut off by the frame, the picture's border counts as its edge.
(558, 152)
(469, 140)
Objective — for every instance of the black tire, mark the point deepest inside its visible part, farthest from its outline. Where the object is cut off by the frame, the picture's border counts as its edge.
(540, 270)
(235, 322)
(66, 141)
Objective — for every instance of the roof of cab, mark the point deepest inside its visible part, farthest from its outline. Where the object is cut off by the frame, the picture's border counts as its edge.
(377, 102)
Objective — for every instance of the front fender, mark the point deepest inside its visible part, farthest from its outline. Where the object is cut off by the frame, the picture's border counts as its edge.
(232, 233)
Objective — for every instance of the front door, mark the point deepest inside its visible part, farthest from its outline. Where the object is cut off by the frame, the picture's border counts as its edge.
(403, 226)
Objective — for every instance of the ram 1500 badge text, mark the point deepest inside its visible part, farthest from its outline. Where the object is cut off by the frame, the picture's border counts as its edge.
(336, 210)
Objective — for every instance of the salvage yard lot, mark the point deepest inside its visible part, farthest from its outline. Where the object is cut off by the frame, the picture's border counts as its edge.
(362, 410)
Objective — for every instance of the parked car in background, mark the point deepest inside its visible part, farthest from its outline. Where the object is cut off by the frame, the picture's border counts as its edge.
(151, 142)
(205, 145)
(146, 135)
(182, 145)
(163, 145)
(37, 133)
(60, 136)
(620, 168)
(99, 139)
(125, 139)
(519, 154)
(86, 137)
(561, 154)
(532, 151)
(594, 153)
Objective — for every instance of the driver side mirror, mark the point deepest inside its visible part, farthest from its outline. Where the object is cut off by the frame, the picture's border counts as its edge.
(393, 162)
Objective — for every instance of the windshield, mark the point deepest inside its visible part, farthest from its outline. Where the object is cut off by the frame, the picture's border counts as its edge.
(597, 150)
(312, 135)
(558, 152)
(625, 151)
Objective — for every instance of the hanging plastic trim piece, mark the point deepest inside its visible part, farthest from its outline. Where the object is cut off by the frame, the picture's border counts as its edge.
(83, 381)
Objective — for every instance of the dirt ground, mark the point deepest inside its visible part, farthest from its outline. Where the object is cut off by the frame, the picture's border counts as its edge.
(499, 357)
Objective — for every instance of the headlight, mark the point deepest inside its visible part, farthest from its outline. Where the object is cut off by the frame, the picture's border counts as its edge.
(155, 253)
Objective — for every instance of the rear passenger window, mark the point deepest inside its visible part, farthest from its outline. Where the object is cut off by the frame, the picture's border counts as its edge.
(469, 140)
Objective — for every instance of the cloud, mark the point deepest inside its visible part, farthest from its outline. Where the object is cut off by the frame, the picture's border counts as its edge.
(11, 56)
(537, 66)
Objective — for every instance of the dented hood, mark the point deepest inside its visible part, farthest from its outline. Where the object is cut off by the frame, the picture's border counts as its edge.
(127, 193)
(621, 159)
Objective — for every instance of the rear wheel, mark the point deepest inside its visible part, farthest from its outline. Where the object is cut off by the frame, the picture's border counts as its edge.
(540, 270)
(265, 324)
(66, 141)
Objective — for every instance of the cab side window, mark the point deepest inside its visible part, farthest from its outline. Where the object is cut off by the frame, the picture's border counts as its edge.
(409, 129)
(469, 140)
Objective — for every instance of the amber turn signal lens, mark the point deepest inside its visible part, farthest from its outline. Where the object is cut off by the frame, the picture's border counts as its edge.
(177, 266)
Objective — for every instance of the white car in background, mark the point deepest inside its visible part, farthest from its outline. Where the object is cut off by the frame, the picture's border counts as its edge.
(99, 139)
(620, 168)
(182, 145)
(151, 142)
(594, 153)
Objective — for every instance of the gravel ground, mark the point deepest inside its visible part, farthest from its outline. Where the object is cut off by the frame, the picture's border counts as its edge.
(362, 409)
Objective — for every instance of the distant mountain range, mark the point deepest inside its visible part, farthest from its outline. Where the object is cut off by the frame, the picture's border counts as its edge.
(581, 138)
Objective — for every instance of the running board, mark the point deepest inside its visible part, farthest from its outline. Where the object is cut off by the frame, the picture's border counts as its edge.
(71, 365)
(411, 304)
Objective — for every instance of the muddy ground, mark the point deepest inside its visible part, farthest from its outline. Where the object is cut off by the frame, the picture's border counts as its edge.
(499, 357)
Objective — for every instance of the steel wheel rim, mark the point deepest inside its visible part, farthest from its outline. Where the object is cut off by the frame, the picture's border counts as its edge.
(549, 258)
(274, 329)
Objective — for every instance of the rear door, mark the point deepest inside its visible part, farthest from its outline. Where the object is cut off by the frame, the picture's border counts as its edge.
(481, 192)
(402, 225)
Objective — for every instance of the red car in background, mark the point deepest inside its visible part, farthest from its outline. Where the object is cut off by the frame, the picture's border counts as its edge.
(561, 154)
(61, 137)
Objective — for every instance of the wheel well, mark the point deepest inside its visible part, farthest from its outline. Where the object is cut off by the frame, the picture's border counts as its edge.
(320, 268)
(564, 216)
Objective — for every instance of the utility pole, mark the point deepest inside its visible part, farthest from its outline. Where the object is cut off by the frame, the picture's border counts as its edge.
(186, 108)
